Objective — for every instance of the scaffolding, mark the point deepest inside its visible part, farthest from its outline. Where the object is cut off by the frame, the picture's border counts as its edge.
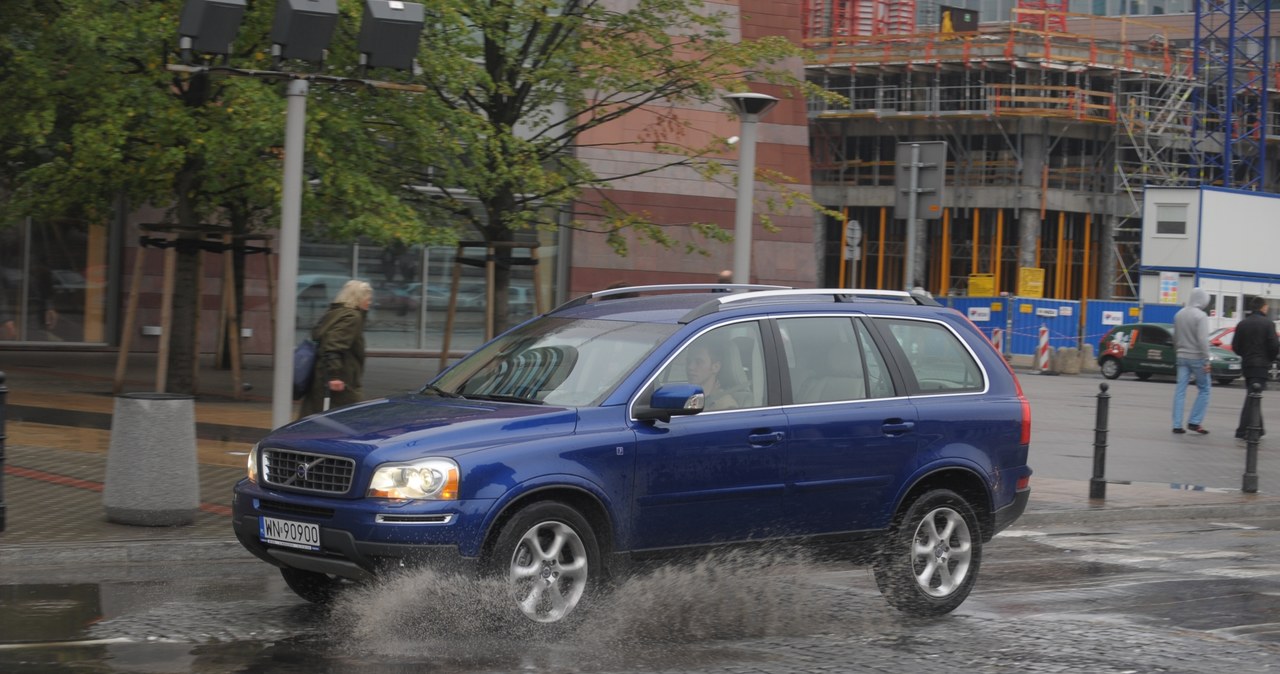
(1233, 62)
(1053, 136)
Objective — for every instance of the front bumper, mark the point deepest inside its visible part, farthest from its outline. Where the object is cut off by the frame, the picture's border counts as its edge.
(341, 552)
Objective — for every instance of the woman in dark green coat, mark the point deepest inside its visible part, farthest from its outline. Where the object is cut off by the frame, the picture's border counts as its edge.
(339, 337)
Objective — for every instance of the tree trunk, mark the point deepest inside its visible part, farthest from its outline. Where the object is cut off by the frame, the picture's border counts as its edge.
(186, 305)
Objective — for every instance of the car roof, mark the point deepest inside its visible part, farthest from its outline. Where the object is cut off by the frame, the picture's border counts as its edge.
(684, 303)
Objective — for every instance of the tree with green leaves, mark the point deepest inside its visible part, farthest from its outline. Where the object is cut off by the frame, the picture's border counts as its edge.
(483, 141)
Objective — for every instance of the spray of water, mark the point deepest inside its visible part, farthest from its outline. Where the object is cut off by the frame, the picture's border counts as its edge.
(722, 596)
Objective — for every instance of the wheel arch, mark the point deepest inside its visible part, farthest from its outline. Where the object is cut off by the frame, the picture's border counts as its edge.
(963, 481)
(578, 498)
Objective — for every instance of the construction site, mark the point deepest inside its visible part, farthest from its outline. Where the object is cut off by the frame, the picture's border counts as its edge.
(1054, 124)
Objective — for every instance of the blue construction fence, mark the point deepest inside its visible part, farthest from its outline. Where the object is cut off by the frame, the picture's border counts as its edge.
(1014, 323)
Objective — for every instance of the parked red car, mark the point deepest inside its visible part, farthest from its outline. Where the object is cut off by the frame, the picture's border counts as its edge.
(1222, 338)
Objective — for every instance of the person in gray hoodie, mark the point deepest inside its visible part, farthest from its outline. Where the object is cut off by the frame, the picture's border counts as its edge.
(1191, 340)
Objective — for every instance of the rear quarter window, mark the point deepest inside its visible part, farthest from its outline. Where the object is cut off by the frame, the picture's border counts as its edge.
(934, 358)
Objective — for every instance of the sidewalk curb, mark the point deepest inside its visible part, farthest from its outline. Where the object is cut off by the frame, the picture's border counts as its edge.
(1102, 514)
(122, 552)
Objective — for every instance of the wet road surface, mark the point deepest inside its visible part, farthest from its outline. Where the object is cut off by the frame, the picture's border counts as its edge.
(1181, 596)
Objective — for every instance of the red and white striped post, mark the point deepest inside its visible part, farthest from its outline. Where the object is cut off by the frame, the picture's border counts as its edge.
(1042, 353)
(997, 340)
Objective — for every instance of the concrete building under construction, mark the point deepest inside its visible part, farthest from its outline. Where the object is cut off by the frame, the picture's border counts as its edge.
(1054, 124)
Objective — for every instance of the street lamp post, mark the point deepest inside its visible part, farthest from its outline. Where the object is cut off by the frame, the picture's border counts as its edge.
(389, 37)
(749, 107)
(290, 242)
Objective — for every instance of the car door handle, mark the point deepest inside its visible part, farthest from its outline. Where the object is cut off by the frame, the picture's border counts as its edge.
(765, 439)
(897, 427)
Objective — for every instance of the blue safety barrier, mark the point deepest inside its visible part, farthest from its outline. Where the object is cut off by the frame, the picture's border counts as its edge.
(1028, 315)
(1159, 313)
(988, 313)
(1100, 316)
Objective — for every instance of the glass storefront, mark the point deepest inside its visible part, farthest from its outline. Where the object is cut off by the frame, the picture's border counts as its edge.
(53, 282)
(412, 286)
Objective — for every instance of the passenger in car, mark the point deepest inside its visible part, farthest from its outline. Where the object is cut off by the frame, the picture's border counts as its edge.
(716, 368)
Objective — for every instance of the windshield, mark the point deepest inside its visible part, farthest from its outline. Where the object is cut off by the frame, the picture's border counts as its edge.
(556, 361)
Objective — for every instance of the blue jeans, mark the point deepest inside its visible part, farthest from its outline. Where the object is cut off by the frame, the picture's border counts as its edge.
(1189, 368)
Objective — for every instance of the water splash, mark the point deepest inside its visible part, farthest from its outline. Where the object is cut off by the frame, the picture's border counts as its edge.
(473, 622)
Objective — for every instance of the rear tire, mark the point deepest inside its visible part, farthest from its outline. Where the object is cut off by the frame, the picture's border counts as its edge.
(930, 562)
(317, 588)
(1110, 368)
(548, 555)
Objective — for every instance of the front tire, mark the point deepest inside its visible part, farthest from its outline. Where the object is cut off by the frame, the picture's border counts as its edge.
(548, 555)
(1110, 368)
(931, 560)
(317, 588)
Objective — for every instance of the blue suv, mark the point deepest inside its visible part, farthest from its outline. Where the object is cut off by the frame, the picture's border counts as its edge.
(637, 422)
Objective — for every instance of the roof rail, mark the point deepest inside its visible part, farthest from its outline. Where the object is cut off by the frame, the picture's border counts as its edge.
(836, 294)
(629, 291)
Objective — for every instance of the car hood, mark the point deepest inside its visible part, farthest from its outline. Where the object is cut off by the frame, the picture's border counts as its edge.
(411, 426)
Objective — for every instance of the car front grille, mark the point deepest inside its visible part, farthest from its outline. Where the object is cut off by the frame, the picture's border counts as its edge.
(281, 508)
(307, 472)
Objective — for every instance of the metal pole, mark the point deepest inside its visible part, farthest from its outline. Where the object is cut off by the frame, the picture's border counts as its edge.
(1098, 483)
(290, 238)
(4, 394)
(746, 188)
(913, 198)
(1249, 483)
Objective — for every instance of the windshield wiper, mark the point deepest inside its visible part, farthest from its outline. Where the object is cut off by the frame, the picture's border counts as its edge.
(505, 399)
(432, 388)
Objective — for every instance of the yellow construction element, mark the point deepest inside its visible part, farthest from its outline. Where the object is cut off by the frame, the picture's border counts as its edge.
(1031, 281)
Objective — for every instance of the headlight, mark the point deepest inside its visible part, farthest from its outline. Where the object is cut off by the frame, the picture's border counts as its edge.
(253, 465)
(434, 479)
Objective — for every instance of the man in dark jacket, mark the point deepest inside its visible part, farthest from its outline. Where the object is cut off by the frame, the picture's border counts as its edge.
(1256, 343)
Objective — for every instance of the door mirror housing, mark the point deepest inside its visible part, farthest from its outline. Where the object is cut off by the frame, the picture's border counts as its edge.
(671, 400)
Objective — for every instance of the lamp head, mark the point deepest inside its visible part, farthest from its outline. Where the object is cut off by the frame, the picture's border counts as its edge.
(303, 28)
(211, 25)
(751, 103)
(390, 32)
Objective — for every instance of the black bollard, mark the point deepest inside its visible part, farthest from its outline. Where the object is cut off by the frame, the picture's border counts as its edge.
(1098, 483)
(1249, 484)
(4, 393)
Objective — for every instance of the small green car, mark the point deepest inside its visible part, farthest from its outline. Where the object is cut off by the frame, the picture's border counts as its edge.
(1147, 348)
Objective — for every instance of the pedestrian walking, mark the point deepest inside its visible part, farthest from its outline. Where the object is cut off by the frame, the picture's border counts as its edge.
(1191, 342)
(339, 337)
(1256, 343)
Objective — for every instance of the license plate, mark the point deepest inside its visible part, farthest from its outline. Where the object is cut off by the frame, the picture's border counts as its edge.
(1233, 366)
(289, 534)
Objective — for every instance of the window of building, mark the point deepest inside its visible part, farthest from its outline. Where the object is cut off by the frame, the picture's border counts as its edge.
(1171, 219)
(53, 282)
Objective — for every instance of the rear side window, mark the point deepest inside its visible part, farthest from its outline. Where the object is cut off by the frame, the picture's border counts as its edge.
(935, 359)
(832, 359)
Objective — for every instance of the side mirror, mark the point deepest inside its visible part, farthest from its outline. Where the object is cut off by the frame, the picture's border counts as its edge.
(671, 400)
